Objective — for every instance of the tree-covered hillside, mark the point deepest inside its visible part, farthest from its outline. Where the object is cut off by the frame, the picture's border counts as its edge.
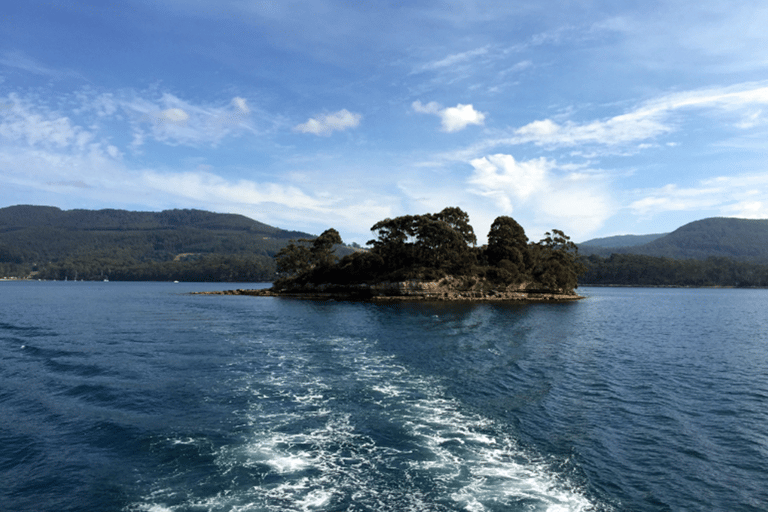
(119, 244)
(739, 239)
(596, 245)
(708, 252)
(641, 270)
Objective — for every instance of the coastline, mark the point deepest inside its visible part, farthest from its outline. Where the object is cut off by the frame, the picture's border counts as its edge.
(409, 291)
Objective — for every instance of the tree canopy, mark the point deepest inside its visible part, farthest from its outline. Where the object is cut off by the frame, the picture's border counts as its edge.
(298, 259)
(431, 246)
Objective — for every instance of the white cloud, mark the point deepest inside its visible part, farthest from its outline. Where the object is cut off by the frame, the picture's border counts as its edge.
(21, 122)
(209, 188)
(432, 107)
(279, 204)
(672, 198)
(44, 154)
(508, 181)
(733, 196)
(616, 130)
(174, 116)
(650, 119)
(174, 121)
(241, 105)
(454, 59)
(748, 210)
(328, 123)
(459, 117)
(551, 195)
(453, 118)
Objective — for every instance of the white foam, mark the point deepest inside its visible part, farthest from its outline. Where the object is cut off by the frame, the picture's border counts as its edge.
(312, 454)
(158, 508)
(315, 499)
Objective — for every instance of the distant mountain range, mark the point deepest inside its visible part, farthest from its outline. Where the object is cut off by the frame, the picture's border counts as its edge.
(737, 239)
(49, 233)
(146, 245)
(198, 245)
(611, 242)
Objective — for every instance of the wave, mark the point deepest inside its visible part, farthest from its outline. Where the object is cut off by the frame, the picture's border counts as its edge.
(334, 425)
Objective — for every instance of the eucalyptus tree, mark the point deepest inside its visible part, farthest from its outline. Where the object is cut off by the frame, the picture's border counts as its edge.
(556, 264)
(296, 259)
(434, 241)
(508, 246)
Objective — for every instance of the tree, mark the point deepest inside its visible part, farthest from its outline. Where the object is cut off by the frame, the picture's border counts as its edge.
(293, 259)
(556, 265)
(431, 246)
(322, 248)
(394, 242)
(439, 245)
(433, 241)
(459, 221)
(507, 241)
(296, 259)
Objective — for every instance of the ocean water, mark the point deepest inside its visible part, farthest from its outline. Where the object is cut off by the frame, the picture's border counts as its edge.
(142, 397)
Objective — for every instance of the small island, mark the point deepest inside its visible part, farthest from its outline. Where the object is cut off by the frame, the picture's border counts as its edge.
(430, 257)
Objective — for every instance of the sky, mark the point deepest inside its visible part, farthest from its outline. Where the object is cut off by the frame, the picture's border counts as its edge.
(595, 117)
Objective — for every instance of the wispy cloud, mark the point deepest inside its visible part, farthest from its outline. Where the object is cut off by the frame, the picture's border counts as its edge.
(22, 62)
(174, 121)
(326, 124)
(738, 196)
(210, 188)
(648, 121)
(454, 59)
(26, 124)
(709, 35)
(632, 127)
(453, 119)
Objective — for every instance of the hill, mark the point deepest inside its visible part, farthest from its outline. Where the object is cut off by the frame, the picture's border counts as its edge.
(709, 252)
(738, 239)
(120, 244)
(610, 242)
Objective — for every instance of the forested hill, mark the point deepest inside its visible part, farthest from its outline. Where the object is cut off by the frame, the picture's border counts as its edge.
(120, 244)
(737, 239)
(613, 242)
(708, 252)
(26, 216)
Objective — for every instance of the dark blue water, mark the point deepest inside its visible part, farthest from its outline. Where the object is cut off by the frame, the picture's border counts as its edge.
(141, 397)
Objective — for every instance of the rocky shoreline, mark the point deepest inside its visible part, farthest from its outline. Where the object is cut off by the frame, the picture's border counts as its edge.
(447, 289)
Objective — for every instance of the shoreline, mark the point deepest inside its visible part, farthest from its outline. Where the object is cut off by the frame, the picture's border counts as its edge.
(466, 297)
(406, 291)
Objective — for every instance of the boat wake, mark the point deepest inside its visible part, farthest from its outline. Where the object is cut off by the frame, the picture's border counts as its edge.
(340, 427)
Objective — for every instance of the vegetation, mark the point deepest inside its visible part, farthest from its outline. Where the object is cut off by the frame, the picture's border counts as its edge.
(708, 252)
(190, 245)
(738, 239)
(640, 270)
(431, 246)
(194, 245)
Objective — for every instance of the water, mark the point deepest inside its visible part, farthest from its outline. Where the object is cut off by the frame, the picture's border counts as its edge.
(140, 397)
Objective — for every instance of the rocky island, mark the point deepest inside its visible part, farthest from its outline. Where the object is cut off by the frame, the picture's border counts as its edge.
(430, 257)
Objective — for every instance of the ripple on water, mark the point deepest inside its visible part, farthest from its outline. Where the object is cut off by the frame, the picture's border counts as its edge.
(373, 436)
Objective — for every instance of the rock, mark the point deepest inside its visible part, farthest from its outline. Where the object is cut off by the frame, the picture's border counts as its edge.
(446, 289)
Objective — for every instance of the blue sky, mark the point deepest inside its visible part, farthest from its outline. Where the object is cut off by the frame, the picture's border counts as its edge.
(594, 117)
